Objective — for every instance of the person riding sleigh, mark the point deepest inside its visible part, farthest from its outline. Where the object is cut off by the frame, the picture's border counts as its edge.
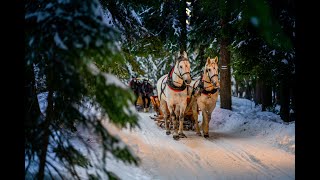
(146, 92)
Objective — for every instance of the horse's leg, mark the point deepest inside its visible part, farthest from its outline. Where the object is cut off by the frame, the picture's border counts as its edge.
(174, 120)
(181, 120)
(209, 114)
(195, 117)
(163, 106)
(205, 123)
(203, 109)
(211, 108)
(208, 118)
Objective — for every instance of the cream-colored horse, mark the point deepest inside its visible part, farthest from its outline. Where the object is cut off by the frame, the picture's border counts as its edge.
(205, 92)
(172, 93)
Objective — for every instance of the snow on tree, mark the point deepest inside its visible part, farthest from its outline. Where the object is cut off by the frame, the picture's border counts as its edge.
(65, 42)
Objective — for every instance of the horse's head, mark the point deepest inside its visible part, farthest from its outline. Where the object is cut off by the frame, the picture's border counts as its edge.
(183, 66)
(211, 70)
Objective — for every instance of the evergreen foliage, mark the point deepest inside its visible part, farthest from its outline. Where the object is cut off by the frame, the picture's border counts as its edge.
(79, 54)
(65, 42)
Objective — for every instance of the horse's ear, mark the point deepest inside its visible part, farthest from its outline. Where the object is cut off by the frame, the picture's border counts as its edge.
(176, 56)
(208, 60)
(184, 54)
(215, 60)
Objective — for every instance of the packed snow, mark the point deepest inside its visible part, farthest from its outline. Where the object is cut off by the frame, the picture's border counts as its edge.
(244, 143)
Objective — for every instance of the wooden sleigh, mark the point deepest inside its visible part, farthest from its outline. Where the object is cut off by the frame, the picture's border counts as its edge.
(158, 117)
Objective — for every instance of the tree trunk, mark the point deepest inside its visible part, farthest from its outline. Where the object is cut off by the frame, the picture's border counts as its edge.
(266, 96)
(284, 100)
(201, 56)
(236, 89)
(257, 95)
(46, 128)
(274, 100)
(32, 111)
(183, 19)
(201, 59)
(45, 140)
(293, 100)
(225, 75)
(278, 95)
(248, 91)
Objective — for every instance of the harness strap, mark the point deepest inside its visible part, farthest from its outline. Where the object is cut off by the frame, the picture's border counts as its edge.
(162, 89)
(170, 82)
(193, 87)
(208, 92)
(202, 88)
(211, 84)
(180, 75)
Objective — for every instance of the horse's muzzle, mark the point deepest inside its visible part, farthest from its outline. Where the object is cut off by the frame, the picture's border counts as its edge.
(217, 85)
(187, 81)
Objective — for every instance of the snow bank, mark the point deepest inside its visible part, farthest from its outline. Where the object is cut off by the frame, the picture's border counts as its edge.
(247, 120)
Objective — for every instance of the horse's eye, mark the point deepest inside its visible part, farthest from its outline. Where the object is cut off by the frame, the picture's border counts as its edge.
(180, 66)
(207, 70)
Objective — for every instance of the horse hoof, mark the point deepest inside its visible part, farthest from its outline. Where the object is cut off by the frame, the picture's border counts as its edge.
(199, 134)
(168, 132)
(176, 137)
(206, 135)
(182, 135)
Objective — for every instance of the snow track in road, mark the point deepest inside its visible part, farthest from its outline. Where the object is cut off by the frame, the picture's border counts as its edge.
(222, 156)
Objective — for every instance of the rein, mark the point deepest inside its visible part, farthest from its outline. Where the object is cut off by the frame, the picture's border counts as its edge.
(162, 88)
(201, 89)
(209, 82)
(170, 81)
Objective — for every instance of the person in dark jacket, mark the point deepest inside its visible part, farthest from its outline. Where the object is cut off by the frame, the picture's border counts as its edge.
(146, 92)
(135, 87)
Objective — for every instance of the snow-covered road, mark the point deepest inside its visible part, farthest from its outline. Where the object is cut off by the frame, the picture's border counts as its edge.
(244, 143)
(223, 155)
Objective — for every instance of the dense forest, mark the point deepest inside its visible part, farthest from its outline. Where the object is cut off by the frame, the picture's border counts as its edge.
(84, 51)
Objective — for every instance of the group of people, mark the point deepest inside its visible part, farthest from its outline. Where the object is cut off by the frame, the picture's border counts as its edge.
(144, 89)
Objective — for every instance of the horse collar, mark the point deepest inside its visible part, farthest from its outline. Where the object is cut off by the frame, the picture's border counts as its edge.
(209, 92)
(171, 85)
(205, 92)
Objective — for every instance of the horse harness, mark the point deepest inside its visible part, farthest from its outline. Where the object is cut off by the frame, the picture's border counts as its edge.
(170, 81)
(201, 87)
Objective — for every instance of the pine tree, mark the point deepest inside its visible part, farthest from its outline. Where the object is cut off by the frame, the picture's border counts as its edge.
(65, 42)
(201, 35)
(123, 15)
(265, 55)
(224, 63)
(166, 25)
(211, 35)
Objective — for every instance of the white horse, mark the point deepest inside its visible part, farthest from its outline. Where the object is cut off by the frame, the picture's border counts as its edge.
(172, 93)
(205, 92)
